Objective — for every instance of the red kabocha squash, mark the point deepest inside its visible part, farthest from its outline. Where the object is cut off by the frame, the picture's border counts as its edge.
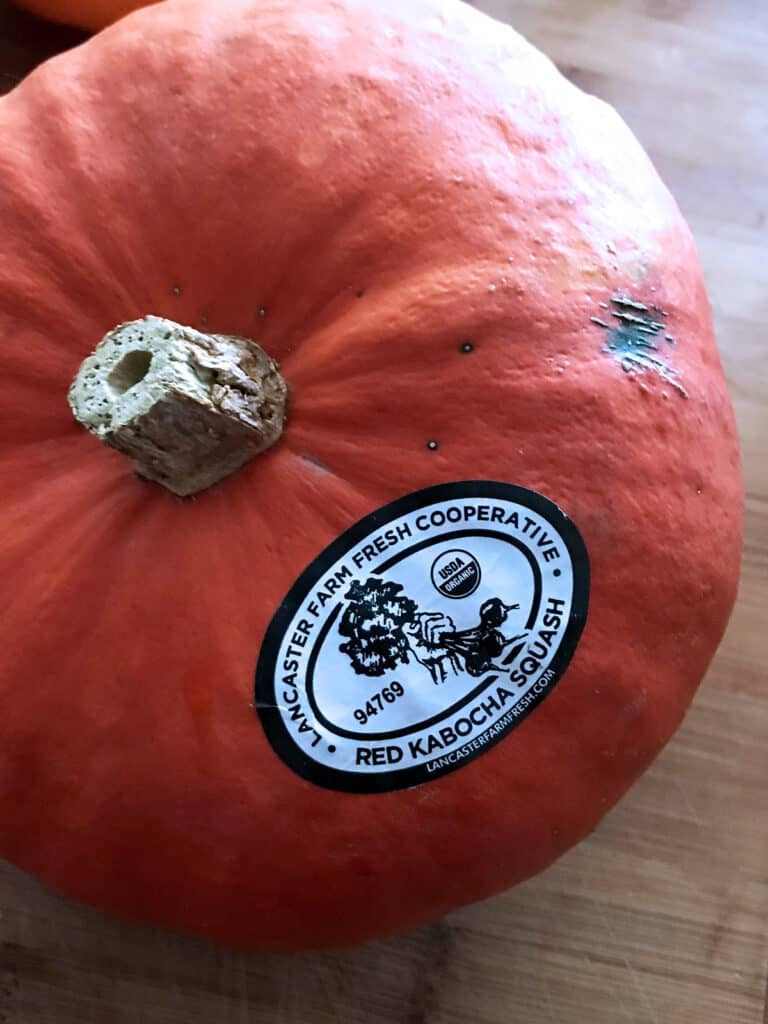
(410, 635)
(88, 14)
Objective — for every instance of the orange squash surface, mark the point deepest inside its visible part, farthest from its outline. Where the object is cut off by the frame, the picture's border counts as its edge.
(88, 14)
(429, 228)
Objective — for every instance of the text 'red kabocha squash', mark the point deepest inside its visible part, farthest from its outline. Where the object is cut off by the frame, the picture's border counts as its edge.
(419, 332)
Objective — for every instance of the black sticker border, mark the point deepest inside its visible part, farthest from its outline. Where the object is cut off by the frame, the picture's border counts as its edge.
(265, 702)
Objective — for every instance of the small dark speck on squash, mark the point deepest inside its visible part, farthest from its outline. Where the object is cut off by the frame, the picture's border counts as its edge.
(466, 347)
(360, 293)
(432, 446)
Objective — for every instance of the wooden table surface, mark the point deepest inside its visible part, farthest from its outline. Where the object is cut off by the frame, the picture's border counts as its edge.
(662, 916)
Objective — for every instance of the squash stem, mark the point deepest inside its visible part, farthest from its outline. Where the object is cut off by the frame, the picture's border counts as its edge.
(188, 408)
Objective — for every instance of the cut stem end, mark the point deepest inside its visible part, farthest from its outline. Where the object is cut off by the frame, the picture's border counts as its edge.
(188, 408)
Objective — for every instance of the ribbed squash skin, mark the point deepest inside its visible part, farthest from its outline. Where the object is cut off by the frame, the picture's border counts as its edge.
(360, 187)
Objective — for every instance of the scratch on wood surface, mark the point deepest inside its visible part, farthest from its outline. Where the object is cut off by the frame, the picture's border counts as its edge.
(644, 998)
(616, 992)
(639, 989)
(9, 987)
(331, 982)
(424, 996)
(243, 991)
(547, 993)
(287, 996)
(718, 934)
(688, 803)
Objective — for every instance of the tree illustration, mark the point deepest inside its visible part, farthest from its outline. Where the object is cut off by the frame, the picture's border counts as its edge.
(373, 620)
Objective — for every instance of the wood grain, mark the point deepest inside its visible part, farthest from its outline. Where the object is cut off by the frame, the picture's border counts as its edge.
(662, 916)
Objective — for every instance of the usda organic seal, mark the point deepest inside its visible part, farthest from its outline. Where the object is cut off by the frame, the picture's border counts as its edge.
(456, 573)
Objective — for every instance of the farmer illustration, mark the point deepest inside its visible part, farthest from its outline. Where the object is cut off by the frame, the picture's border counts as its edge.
(385, 628)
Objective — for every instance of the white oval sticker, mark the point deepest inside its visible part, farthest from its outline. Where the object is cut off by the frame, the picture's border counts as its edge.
(422, 636)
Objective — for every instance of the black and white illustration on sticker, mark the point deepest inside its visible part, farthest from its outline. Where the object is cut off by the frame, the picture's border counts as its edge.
(386, 629)
(422, 636)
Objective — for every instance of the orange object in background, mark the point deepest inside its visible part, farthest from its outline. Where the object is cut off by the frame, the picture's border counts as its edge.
(88, 14)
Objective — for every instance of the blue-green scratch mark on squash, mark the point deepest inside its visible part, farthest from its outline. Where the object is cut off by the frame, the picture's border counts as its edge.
(633, 340)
